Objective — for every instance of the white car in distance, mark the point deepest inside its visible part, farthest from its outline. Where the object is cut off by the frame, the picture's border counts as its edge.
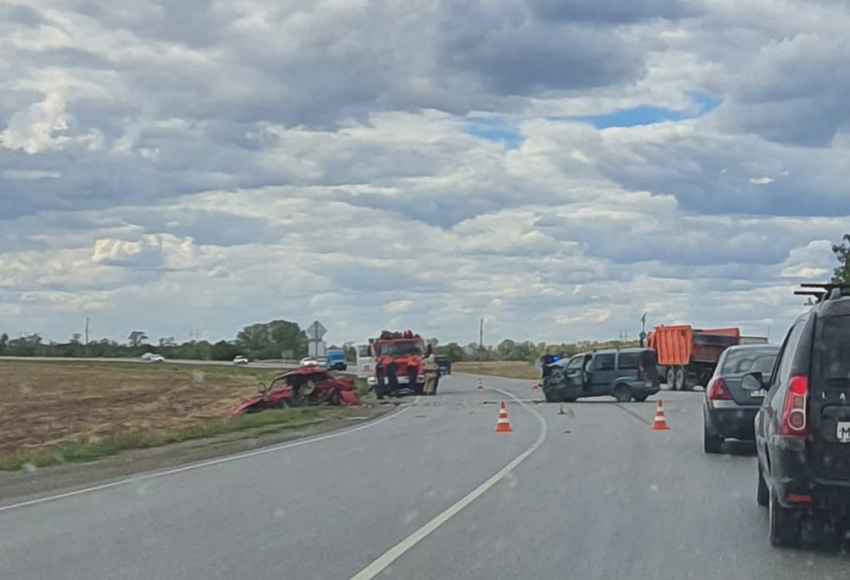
(153, 357)
(240, 360)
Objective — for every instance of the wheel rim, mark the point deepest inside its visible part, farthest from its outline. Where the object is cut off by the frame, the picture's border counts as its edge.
(622, 394)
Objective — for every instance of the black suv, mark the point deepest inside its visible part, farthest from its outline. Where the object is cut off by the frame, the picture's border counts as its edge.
(444, 363)
(803, 426)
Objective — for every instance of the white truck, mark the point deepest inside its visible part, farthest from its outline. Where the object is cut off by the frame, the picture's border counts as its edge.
(365, 361)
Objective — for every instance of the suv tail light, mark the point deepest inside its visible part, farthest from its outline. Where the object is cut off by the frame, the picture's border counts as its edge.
(794, 416)
(718, 391)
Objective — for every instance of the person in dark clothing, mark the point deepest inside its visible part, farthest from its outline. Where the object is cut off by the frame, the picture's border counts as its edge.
(411, 377)
(546, 362)
(392, 376)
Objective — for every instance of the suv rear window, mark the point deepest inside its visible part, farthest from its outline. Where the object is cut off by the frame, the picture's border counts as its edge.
(749, 360)
(835, 352)
(629, 360)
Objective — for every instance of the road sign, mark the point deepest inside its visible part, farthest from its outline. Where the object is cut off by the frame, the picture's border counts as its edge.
(316, 331)
(317, 348)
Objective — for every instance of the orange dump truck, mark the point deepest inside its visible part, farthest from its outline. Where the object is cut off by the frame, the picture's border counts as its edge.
(687, 356)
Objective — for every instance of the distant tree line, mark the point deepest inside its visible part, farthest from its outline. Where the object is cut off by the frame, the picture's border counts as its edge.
(528, 351)
(842, 254)
(271, 340)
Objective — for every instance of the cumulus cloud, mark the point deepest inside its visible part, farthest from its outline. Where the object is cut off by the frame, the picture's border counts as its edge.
(418, 164)
(150, 251)
(764, 180)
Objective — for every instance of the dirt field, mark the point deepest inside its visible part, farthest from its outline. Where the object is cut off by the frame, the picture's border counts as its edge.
(57, 403)
(510, 370)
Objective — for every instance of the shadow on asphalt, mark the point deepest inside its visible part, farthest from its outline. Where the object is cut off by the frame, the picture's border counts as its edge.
(739, 448)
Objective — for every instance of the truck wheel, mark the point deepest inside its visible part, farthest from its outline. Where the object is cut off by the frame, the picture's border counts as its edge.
(671, 378)
(680, 379)
(640, 398)
(785, 525)
(622, 393)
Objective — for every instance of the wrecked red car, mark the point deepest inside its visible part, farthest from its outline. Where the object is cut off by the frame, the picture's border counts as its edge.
(303, 387)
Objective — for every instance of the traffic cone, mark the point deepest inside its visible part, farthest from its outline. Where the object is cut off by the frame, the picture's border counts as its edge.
(535, 387)
(660, 422)
(480, 384)
(503, 425)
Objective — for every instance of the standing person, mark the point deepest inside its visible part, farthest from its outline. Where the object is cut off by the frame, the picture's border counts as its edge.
(392, 376)
(412, 373)
(432, 375)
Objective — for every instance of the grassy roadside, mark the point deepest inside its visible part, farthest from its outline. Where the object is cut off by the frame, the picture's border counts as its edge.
(260, 423)
(504, 369)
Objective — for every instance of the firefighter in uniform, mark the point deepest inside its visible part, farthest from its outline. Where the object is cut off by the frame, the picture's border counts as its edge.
(432, 375)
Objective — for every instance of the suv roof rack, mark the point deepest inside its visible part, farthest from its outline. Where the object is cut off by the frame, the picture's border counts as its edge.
(824, 291)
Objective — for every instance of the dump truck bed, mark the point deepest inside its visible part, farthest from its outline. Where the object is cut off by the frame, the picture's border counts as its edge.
(681, 345)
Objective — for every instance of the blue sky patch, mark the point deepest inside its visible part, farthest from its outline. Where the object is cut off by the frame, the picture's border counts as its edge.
(494, 129)
(647, 115)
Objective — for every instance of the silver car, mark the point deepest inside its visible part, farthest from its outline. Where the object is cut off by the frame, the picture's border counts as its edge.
(728, 410)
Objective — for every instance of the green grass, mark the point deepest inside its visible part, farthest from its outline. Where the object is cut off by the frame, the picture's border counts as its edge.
(265, 422)
(361, 386)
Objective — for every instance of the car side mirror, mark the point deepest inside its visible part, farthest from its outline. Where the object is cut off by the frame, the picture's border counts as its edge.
(753, 381)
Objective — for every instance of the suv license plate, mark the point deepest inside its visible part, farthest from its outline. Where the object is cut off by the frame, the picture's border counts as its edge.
(758, 394)
(842, 432)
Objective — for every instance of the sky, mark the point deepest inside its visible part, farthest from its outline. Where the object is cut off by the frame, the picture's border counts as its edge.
(555, 167)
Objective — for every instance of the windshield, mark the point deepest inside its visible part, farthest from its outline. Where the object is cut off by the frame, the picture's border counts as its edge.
(400, 348)
(749, 360)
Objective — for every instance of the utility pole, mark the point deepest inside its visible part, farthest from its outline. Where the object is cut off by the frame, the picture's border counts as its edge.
(87, 336)
(480, 342)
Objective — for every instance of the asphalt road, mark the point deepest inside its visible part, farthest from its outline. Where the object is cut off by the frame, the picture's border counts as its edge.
(594, 493)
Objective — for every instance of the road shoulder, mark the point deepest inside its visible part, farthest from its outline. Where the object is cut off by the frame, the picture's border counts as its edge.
(28, 484)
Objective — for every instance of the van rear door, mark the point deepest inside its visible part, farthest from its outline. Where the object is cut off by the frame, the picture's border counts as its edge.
(649, 367)
(829, 396)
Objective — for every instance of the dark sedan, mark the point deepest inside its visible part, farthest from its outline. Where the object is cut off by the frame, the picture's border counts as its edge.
(729, 411)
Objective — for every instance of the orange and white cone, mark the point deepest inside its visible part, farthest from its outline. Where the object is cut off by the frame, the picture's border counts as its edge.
(660, 422)
(535, 387)
(480, 384)
(503, 425)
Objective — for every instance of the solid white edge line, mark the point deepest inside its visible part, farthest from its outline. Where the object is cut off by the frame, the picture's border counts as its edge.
(208, 463)
(394, 553)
